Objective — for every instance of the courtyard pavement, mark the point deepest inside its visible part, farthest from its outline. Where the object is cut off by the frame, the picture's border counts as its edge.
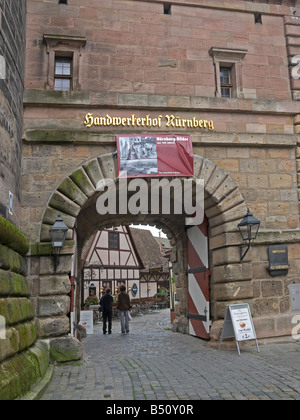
(153, 363)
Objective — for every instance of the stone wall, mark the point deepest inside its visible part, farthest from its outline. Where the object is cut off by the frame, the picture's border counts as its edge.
(50, 291)
(12, 48)
(22, 359)
(133, 59)
(134, 47)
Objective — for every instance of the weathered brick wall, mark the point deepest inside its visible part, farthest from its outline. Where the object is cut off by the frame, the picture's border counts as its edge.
(166, 69)
(134, 47)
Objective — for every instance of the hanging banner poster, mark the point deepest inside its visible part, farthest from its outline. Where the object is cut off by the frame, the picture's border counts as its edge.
(155, 156)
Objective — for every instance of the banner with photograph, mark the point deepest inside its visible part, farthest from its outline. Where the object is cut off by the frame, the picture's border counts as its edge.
(155, 156)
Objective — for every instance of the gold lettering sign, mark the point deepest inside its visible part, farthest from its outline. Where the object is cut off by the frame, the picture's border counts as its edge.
(279, 267)
(171, 121)
(279, 262)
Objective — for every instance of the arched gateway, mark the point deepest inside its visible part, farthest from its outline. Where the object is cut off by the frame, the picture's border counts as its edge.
(76, 198)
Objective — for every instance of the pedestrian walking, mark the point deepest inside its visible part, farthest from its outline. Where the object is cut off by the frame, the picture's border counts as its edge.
(106, 303)
(124, 307)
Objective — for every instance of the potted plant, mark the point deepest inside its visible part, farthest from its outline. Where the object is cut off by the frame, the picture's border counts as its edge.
(91, 300)
(163, 294)
(115, 301)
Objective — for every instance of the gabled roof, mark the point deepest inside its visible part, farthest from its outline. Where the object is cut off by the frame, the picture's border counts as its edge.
(97, 251)
(145, 246)
(148, 249)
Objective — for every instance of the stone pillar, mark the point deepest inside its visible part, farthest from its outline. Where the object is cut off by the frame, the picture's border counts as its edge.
(51, 296)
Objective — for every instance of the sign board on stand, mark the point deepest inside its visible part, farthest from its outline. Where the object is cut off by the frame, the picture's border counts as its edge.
(86, 320)
(238, 323)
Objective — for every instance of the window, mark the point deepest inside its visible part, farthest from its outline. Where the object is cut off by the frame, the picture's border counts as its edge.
(62, 1)
(64, 52)
(167, 9)
(258, 18)
(63, 73)
(113, 240)
(226, 82)
(228, 71)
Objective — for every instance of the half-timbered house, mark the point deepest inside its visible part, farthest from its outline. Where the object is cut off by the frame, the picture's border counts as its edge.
(123, 255)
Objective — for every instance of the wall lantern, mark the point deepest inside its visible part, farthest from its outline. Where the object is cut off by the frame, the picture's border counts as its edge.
(58, 234)
(92, 290)
(248, 228)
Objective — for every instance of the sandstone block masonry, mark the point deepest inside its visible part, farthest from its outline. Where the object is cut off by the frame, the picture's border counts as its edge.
(250, 159)
(12, 51)
(22, 359)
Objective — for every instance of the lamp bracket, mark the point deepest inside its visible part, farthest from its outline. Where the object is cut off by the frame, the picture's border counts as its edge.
(243, 254)
(55, 261)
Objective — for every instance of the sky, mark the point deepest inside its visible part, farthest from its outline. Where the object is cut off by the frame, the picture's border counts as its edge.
(154, 230)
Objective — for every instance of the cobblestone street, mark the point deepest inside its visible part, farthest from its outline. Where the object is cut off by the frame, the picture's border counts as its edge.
(153, 363)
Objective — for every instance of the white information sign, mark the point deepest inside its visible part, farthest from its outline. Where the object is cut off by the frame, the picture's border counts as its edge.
(86, 320)
(238, 323)
(242, 322)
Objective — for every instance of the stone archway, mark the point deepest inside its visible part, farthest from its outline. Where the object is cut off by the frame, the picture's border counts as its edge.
(75, 199)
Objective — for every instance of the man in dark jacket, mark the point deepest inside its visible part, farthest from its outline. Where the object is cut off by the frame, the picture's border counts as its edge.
(106, 303)
(124, 306)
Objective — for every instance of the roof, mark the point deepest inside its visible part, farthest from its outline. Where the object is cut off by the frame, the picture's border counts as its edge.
(148, 249)
(165, 243)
